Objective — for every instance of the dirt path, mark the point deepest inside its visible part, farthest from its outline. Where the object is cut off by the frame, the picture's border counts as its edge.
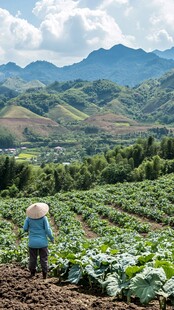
(18, 292)
(88, 232)
(154, 225)
(54, 226)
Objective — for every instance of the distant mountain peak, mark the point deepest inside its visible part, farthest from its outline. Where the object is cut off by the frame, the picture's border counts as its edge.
(119, 53)
(168, 53)
(121, 64)
(11, 66)
(41, 64)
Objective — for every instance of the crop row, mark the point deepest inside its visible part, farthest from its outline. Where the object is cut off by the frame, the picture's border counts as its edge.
(119, 260)
(149, 199)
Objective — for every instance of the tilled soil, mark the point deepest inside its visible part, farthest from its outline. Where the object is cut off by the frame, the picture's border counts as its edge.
(19, 292)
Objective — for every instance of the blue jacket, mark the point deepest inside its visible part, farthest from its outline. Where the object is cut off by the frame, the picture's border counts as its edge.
(39, 230)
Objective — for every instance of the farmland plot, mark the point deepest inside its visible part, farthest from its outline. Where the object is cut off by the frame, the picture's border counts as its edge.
(127, 259)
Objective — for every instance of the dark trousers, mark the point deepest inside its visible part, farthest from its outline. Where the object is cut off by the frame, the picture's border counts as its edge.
(43, 255)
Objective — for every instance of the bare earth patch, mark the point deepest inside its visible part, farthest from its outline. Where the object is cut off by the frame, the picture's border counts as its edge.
(18, 292)
(40, 126)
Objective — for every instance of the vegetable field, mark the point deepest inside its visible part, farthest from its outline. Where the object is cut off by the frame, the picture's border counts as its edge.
(116, 238)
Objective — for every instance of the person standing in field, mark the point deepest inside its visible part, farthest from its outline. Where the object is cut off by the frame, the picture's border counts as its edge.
(37, 225)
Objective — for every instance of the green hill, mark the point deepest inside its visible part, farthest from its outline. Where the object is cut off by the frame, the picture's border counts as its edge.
(65, 113)
(17, 112)
(19, 85)
(157, 100)
(88, 110)
(26, 125)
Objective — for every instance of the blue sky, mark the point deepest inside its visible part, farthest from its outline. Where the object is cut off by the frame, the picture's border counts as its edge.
(24, 6)
(66, 31)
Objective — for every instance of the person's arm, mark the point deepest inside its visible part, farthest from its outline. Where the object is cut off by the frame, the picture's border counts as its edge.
(48, 229)
(26, 225)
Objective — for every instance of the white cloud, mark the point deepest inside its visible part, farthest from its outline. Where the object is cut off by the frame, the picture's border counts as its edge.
(68, 30)
(25, 36)
(163, 10)
(17, 33)
(151, 23)
(2, 53)
(107, 3)
(45, 7)
(161, 37)
(71, 27)
(161, 32)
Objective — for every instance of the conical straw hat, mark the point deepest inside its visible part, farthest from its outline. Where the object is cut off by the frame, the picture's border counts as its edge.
(37, 210)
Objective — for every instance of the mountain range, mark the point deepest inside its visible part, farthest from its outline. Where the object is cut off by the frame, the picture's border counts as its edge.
(120, 64)
(168, 54)
(80, 111)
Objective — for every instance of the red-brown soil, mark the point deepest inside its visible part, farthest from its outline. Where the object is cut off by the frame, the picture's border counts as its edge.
(41, 126)
(116, 124)
(19, 292)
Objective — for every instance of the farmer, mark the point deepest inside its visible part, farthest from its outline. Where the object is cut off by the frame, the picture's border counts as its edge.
(36, 223)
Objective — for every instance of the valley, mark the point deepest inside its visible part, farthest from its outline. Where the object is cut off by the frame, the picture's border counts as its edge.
(81, 115)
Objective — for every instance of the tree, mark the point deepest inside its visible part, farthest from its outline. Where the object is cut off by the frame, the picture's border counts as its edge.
(45, 185)
(68, 183)
(137, 154)
(156, 166)
(131, 163)
(5, 174)
(115, 173)
(167, 148)
(13, 191)
(150, 147)
(6, 138)
(84, 179)
(149, 170)
(59, 177)
(57, 182)
(23, 176)
(170, 148)
(153, 168)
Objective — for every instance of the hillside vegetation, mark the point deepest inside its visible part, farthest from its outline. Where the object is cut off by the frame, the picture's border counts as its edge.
(81, 112)
(151, 101)
(145, 159)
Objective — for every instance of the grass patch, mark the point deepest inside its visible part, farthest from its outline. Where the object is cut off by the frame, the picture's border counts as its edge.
(122, 124)
(17, 112)
(66, 113)
(25, 156)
